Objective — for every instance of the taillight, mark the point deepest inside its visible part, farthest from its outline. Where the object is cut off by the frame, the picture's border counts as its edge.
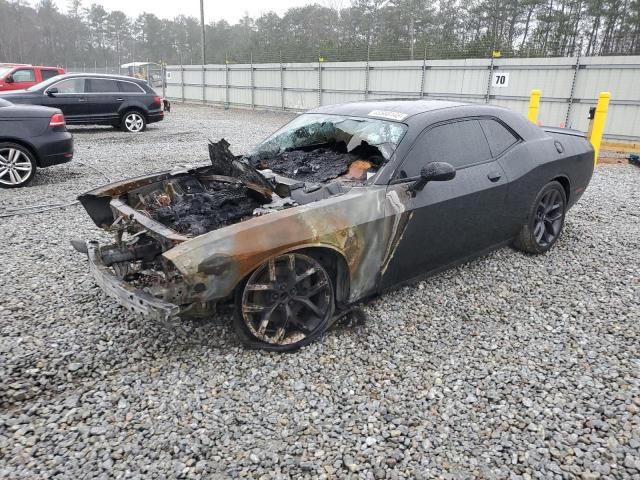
(157, 99)
(57, 120)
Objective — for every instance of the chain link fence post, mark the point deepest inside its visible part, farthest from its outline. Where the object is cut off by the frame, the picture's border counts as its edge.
(204, 84)
(182, 80)
(163, 74)
(319, 78)
(366, 73)
(281, 82)
(424, 72)
(226, 82)
(253, 83)
(491, 66)
(573, 85)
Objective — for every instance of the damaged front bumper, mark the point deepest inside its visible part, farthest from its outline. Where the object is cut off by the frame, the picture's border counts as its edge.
(131, 298)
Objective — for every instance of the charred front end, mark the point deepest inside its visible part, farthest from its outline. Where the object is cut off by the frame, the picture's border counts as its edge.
(181, 241)
(151, 215)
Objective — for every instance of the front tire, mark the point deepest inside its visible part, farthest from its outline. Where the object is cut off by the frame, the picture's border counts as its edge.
(286, 303)
(17, 165)
(545, 220)
(133, 121)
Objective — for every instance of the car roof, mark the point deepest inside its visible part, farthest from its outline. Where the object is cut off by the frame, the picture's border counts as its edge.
(23, 65)
(103, 75)
(392, 109)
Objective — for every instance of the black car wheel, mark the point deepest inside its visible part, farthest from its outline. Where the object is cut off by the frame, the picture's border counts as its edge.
(133, 121)
(17, 165)
(285, 303)
(545, 221)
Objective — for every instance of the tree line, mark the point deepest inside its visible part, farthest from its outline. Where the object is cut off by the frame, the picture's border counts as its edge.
(382, 29)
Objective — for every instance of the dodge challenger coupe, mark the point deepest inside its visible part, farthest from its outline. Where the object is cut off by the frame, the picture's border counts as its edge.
(342, 203)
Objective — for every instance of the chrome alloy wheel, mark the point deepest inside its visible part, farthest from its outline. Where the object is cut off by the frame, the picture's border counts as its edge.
(287, 299)
(134, 122)
(15, 167)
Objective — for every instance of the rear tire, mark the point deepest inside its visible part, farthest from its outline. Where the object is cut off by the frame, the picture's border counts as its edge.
(17, 165)
(133, 121)
(286, 303)
(545, 220)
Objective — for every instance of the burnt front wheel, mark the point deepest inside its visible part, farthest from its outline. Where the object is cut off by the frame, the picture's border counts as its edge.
(286, 303)
(545, 220)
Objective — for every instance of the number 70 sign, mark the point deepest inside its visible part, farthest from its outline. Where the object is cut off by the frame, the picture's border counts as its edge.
(500, 79)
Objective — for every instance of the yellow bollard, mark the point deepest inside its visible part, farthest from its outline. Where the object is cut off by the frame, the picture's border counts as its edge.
(598, 123)
(534, 106)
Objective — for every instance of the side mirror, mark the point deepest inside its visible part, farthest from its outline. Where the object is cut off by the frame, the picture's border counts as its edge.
(433, 172)
(52, 91)
(9, 79)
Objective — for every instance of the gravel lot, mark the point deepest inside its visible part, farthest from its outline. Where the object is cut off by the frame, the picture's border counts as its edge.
(510, 366)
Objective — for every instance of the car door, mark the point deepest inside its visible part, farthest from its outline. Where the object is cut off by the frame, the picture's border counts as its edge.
(22, 78)
(68, 95)
(451, 220)
(508, 149)
(103, 100)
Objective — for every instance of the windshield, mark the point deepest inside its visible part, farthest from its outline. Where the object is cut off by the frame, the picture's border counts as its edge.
(315, 129)
(320, 147)
(4, 71)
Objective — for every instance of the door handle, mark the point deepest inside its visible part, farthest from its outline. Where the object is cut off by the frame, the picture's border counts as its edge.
(82, 99)
(494, 176)
(120, 99)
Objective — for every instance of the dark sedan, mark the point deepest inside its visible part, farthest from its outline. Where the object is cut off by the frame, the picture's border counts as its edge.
(344, 202)
(31, 137)
(92, 99)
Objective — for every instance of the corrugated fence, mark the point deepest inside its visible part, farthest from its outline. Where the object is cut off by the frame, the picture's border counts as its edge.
(570, 85)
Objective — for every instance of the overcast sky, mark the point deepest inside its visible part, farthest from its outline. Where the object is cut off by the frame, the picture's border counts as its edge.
(214, 10)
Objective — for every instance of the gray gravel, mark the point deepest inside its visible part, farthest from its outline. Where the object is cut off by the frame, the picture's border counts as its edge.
(510, 366)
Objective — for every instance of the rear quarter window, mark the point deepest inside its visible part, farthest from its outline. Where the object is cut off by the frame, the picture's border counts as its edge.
(102, 85)
(499, 137)
(130, 87)
(47, 74)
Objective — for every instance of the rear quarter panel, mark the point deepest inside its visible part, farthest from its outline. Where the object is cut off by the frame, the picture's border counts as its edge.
(538, 162)
(141, 102)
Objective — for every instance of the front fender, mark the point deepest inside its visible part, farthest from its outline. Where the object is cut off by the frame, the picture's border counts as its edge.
(353, 225)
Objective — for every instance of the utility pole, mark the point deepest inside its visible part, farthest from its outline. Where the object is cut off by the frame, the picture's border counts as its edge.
(202, 36)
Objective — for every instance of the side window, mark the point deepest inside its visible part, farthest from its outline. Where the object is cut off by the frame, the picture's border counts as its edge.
(47, 74)
(102, 85)
(459, 143)
(24, 75)
(499, 137)
(70, 85)
(129, 87)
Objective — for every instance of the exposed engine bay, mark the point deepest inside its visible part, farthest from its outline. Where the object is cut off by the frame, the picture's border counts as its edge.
(232, 189)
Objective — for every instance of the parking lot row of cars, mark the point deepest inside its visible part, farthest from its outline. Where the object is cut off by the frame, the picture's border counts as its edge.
(33, 120)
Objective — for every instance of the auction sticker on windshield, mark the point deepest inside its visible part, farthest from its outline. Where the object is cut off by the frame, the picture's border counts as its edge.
(387, 114)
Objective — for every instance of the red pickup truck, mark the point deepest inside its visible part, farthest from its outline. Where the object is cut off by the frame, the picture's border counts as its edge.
(18, 77)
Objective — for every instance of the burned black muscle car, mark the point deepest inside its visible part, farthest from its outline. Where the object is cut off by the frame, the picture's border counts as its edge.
(343, 203)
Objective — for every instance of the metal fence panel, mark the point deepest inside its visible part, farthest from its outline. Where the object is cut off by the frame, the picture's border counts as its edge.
(569, 85)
